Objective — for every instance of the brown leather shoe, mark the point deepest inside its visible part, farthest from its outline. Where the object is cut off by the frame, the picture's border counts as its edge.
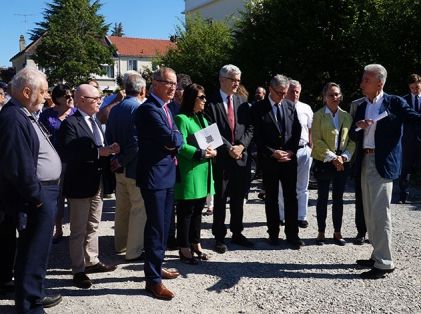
(99, 268)
(159, 291)
(169, 273)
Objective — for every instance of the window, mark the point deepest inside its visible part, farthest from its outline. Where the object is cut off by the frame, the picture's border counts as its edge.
(109, 70)
(132, 65)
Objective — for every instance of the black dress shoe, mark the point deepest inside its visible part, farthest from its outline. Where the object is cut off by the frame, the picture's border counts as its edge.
(274, 241)
(359, 240)
(188, 260)
(376, 273)
(296, 243)
(241, 240)
(82, 281)
(302, 223)
(339, 241)
(366, 262)
(220, 247)
(99, 268)
(51, 301)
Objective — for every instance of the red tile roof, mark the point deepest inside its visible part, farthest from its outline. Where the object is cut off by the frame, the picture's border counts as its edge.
(139, 47)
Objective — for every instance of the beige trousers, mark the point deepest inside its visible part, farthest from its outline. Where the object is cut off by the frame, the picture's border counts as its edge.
(377, 196)
(85, 215)
(130, 217)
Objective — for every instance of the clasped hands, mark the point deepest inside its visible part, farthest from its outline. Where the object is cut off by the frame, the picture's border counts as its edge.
(105, 151)
(339, 163)
(282, 155)
(210, 152)
(236, 151)
(363, 124)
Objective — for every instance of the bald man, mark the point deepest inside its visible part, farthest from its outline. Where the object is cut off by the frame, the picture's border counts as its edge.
(83, 149)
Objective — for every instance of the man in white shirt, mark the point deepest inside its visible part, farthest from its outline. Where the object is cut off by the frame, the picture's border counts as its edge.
(305, 116)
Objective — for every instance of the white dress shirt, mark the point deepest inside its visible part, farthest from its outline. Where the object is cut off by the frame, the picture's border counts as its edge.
(371, 112)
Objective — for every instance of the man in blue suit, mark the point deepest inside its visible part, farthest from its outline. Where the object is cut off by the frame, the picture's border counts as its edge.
(30, 171)
(379, 160)
(159, 141)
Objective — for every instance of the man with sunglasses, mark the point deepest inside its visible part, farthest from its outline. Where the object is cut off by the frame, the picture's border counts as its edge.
(231, 113)
(84, 150)
(277, 135)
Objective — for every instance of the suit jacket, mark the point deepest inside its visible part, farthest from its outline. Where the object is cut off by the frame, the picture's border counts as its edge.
(19, 185)
(121, 129)
(387, 136)
(243, 134)
(411, 132)
(78, 150)
(324, 133)
(156, 165)
(268, 135)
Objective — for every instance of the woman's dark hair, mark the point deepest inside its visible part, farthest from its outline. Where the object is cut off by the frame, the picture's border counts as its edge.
(189, 98)
(59, 91)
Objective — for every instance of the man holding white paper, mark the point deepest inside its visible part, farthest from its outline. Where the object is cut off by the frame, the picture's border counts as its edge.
(379, 161)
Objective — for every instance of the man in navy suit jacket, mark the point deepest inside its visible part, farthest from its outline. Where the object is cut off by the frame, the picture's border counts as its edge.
(379, 160)
(159, 141)
(411, 139)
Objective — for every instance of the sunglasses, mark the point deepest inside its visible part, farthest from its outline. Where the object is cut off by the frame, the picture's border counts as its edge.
(93, 98)
(202, 97)
(68, 96)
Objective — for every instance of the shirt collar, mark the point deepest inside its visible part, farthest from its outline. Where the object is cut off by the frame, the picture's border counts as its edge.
(224, 96)
(272, 102)
(376, 99)
(160, 101)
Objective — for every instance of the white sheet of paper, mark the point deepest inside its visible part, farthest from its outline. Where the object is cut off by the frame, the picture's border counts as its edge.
(209, 136)
(379, 117)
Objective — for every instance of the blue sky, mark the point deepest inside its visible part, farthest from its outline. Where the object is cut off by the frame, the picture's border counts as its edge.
(140, 18)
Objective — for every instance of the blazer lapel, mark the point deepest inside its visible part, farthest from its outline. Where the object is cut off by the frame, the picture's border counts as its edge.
(221, 107)
(385, 103)
(83, 124)
(271, 115)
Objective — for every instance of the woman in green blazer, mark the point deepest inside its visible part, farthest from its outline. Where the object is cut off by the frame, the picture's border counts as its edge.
(195, 169)
(332, 152)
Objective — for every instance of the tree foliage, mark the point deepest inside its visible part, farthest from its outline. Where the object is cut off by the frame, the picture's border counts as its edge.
(117, 30)
(72, 46)
(201, 49)
(316, 41)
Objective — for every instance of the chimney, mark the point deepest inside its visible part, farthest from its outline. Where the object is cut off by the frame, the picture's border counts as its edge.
(21, 43)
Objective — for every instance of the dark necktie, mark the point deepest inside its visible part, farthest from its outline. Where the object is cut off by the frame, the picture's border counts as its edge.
(95, 131)
(279, 118)
(417, 103)
(231, 118)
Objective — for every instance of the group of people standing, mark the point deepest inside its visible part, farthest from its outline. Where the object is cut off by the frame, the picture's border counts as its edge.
(149, 145)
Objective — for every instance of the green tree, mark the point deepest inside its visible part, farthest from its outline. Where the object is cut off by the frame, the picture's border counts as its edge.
(72, 46)
(201, 49)
(316, 41)
(117, 30)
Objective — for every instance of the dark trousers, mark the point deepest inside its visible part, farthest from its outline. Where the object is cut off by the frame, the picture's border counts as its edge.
(33, 248)
(359, 212)
(338, 179)
(286, 173)
(158, 205)
(229, 181)
(189, 220)
(8, 247)
(411, 160)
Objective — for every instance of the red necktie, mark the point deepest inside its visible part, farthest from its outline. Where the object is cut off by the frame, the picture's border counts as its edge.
(231, 118)
(167, 113)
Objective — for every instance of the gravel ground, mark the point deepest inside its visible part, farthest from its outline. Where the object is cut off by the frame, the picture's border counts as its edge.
(263, 279)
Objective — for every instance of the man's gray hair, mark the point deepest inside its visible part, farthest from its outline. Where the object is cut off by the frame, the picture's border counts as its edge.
(279, 80)
(27, 77)
(378, 70)
(133, 82)
(294, 83)
(159, 74)
(229, 69)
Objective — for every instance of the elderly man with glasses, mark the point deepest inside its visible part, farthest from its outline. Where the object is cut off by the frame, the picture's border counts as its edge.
(83, 149)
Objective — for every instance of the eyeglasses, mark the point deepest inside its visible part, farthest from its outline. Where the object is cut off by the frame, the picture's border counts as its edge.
(279, 93)
(97, 98)
(168, 83)
(202, 97)
(68, 96)
(334, 95)
(232, 80)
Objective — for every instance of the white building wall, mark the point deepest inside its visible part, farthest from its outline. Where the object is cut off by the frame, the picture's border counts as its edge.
(214, 9)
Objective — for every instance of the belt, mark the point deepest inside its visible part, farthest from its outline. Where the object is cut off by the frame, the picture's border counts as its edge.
(50, 182)
(367, 151)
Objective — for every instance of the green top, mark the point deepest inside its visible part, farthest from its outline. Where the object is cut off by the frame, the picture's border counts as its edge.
(196, 180)
(324, 133)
